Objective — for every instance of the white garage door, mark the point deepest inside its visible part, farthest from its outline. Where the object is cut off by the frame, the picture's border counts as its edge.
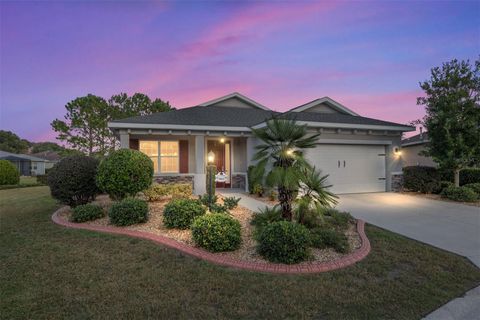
(351, 168)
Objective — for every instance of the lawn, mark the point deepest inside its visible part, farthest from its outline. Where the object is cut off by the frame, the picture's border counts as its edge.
(48, 271)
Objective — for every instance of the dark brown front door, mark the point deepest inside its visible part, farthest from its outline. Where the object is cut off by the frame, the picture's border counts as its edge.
(220, 149)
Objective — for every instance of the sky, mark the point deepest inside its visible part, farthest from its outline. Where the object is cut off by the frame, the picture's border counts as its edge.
(368, 55)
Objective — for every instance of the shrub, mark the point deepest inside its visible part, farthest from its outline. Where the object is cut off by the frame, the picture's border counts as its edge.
(72, 180)
(8, 173)
(159, 191)
(265, 216)
(206, 198)
(230, 202)
(326, 237)
(258, 189)
(124, 173)
(420, 178)
(284, 242)
(180, 213)
(218, 208)
(216, 232)
(273, 195)
(42, 179)
(87, 212)
(341, 219)
(128, 211)
(442, 185)
(469, 175)
(254, 176)
(474, 186)
(459, 194)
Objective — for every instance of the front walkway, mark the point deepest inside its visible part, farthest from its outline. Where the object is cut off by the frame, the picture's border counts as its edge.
(245, 201)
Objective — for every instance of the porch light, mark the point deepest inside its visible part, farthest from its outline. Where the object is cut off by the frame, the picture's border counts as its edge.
(210, 157)
(397, 151)
(222, 140)
(289, 152)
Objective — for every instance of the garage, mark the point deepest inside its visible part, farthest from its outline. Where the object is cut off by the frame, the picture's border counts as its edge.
(351, 168)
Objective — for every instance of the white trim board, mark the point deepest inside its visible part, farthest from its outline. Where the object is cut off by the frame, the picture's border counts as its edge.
(124, 125)
(347, 141)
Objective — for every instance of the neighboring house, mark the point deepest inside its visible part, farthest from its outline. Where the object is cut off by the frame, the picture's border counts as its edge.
(359, 154)
(50, 157)
(27, 165)
(411, 148)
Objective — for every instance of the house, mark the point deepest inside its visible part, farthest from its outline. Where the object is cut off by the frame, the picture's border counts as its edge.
(26, 164)
(50, 157)
(359, 154)
(411, 148)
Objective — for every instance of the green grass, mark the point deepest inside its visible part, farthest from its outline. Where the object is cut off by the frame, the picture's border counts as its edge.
(48, 271)
(28, 180)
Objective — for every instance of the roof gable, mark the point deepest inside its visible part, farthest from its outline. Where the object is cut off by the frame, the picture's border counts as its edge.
(324, 105)
(235, 100)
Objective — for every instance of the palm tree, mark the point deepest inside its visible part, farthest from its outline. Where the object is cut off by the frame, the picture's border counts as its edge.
(282, 153)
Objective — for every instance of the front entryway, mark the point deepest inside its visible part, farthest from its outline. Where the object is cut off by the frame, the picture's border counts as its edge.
(222, 160)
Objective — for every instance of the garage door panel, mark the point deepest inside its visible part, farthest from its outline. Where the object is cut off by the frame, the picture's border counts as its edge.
(351, 168)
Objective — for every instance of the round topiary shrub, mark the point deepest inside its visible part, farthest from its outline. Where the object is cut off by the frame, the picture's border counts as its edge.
(87, 212)
(180, 213)
(459, 194)
(284, 242)
(216, 232)
(8, 173)
(72, 180)
(128, 211)
(124, 173)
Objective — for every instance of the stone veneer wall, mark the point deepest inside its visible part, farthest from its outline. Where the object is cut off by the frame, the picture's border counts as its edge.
(174, 179)
(238, 181)
(397, 182)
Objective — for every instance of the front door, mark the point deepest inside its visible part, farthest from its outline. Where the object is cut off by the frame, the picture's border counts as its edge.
(222, 152)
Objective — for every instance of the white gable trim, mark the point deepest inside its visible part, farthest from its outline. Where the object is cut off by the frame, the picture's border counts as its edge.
(332, 103)
(235, 95)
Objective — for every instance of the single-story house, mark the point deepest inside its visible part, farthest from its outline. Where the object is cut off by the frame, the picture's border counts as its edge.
(50, 157)
(359, 154)
(26, 164)
(411, 148)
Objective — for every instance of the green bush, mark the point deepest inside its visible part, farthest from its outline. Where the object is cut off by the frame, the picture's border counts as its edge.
(327, 237)
(218, 208)
(72, 180)
(284, 242)
(216, 232)
(254, 177)
(205, 199)
(128, 211)
(230, 202)
(474, 186)
(265, 216)
(180, 213)
(421, 179)
(175, 190)
(442, 185)
(8, 173)
(258, 189)
(87, 212)
(42, 179)
(124, 173)
(469, 175)
(340, 219)
(464, 194)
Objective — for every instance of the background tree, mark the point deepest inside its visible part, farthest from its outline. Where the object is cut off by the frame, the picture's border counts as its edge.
(453, 115)
(46, 146)
(10, 142)
(137, 105)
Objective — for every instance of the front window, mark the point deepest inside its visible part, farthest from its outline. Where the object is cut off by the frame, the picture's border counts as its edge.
(167, 161)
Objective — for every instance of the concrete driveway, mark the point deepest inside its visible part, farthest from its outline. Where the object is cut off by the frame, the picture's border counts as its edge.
(450, 226)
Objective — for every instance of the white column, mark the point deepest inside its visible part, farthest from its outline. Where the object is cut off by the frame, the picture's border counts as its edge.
(200, 177)
(124, 141)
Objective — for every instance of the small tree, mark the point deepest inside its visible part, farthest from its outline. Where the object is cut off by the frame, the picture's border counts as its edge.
(452, 96)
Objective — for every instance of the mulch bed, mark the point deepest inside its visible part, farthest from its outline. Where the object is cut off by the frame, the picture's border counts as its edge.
(247, 251)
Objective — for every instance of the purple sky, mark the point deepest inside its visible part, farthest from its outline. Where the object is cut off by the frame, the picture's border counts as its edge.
(369, 56)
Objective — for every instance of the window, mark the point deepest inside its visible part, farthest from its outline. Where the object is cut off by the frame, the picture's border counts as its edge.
(167, 161)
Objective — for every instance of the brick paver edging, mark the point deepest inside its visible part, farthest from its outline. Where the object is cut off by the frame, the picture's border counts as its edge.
(314, 267)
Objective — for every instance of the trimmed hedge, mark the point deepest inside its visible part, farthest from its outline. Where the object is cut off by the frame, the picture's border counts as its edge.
(176, 190)
(474, 186)
(421, 179)
(124, 173)
(325, 237)
(180, 213)
(459, 194)
(216, 232)
(469, 175)
(284, 242)
(128, 211)
(72, 180)
(9, 174)
(87, 212)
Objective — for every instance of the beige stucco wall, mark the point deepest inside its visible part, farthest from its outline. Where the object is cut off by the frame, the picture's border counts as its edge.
(410, 157)
(233, 102)
(322, 108)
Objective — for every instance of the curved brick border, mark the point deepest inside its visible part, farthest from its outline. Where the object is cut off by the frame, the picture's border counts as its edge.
(314, 267)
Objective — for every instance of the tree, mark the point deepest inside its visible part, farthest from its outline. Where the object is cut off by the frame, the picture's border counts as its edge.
(46, 146)
(137, 105)
(10, 142)
(452, 96)
(283, 144)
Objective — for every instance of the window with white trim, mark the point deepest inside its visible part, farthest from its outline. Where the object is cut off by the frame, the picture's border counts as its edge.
(165, 161)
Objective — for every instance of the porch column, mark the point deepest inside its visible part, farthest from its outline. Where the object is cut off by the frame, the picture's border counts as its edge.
(124, 140)
(250, 153)
(200, 177)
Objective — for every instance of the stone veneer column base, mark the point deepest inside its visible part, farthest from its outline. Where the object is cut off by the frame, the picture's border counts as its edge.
(397, 182)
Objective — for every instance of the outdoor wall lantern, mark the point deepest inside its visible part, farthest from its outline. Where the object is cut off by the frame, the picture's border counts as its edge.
(222, 140)
(397, 151)
(211, 157)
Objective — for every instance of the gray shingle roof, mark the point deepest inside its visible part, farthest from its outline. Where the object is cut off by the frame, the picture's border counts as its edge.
(336, 118)
(5, 155)
(416, 139)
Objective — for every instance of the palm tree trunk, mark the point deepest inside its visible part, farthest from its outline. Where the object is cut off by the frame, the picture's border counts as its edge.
(285, 198)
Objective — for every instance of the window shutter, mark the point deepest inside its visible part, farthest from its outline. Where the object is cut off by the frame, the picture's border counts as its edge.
(134, 144)
(183, 153)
